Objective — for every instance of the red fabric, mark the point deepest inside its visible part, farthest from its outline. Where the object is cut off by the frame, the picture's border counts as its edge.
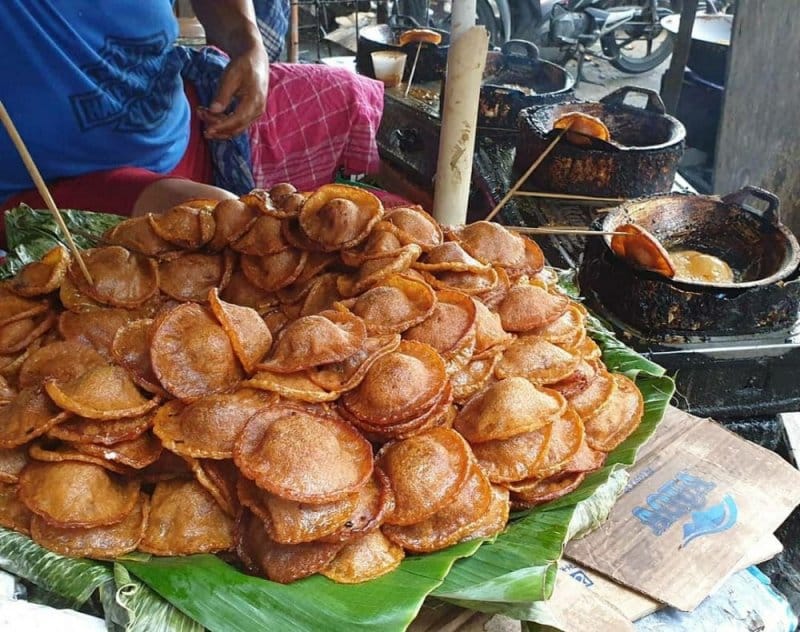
(318, 119)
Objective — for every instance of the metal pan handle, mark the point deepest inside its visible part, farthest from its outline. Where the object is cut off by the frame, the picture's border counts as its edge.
(773, 212)
(654, 102)
(520, 50)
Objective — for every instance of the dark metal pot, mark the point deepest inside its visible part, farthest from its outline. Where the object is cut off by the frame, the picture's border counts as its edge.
(432, 59)
(515, 78)
(640, 159)
(762, 252)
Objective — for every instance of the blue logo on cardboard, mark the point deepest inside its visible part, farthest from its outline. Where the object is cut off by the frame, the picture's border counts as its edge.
(683, 496)
(714, 519)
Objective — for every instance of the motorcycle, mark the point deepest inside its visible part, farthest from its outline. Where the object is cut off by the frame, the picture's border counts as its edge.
(629, 33)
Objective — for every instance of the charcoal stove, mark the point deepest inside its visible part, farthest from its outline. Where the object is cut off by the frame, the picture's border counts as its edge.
(514, 78)
(725, 376)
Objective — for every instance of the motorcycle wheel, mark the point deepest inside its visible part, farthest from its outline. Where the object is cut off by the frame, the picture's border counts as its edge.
(636, 49)
(484, 15)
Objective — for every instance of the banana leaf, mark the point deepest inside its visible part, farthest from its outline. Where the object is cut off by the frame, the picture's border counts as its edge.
(511, 574)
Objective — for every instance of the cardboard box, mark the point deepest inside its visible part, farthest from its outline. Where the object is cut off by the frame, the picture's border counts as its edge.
(698, 500)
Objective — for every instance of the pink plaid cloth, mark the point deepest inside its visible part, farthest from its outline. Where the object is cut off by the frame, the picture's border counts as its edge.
(318, 119)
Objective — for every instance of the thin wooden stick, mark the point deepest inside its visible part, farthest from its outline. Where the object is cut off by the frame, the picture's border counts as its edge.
(527, 174)
(560, 230)
(413, 69)
(42, 187)
(567, 196)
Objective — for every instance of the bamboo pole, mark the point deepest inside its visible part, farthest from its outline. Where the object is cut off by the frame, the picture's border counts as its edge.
(466, 60)
(42, 188)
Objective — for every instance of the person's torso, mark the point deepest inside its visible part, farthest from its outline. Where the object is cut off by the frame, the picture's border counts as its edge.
(90, 86)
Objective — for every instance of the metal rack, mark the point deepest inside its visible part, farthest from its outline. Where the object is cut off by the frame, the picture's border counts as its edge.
(319, 9)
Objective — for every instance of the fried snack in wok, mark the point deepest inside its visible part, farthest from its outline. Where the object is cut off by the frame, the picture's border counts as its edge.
(192, 275)
(398, 386)
(208, 426)
(102, 392)
(283, 563)
(346, 374)
(273, 272)
(105, 542)
(136, 453)
(374, 271)
(248, 333)
(595, 396)
(184, 520)
(566, 436)
(95, 328)
(131, 350)
(192, 355)
(291, 522)
(12, 460)
(641, 249)
(29, 415)
(513, 459)
(44, 276)
(103, 432)
(137, 234)
(449, 524)
(613, 423)
(568, 330)
(318, 339)
(539, 361)
(294, 386)
(506, 408)
(413, 225)
(425, 472)
(368, 557)
(301, 456)
(582, 128)
(61, 360)
(374, 503)
(264, 237)
(450, 324)
(17, 336)
(529, 307)
(395, 305)
(121, 278)
(337, 216)
(13, 307)
(232, 219)
(13, 512)
(184, 226)
(75, 494)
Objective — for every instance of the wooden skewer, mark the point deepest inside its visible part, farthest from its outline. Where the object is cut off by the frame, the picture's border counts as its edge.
(42, 187)
(567, 196)
(525, 175)
(413, 69)
(560, 230)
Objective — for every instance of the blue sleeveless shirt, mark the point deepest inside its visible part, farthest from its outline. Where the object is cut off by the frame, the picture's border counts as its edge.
(91, 86)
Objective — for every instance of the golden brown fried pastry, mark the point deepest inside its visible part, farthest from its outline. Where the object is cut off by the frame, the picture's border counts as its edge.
(101, 431)
(515, 458)
(537, 360)
(95, 328)
(273, 272)
(413, 225)
(338, 216)
(192, 275)
(61, 360)
(185, 519)
(74, 494)
(44, 276)
(529, 307)
(12, 460)
(29, 415)
(248, 333)
(613, 423)
(13, 512)
(395, 305)
(232, 219)
(298, 455)
(185, 226)
(120, 278)
(365, 558)
(192, 355)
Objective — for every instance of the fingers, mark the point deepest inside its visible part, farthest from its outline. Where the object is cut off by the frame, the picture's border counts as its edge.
(244, 81)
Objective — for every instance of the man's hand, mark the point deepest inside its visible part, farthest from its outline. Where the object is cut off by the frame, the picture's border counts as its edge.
(230, 25)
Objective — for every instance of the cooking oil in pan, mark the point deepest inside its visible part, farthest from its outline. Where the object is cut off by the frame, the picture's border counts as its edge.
(693, 265)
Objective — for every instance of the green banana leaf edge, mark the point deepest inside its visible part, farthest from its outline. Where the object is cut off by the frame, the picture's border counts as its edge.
(510, 574)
